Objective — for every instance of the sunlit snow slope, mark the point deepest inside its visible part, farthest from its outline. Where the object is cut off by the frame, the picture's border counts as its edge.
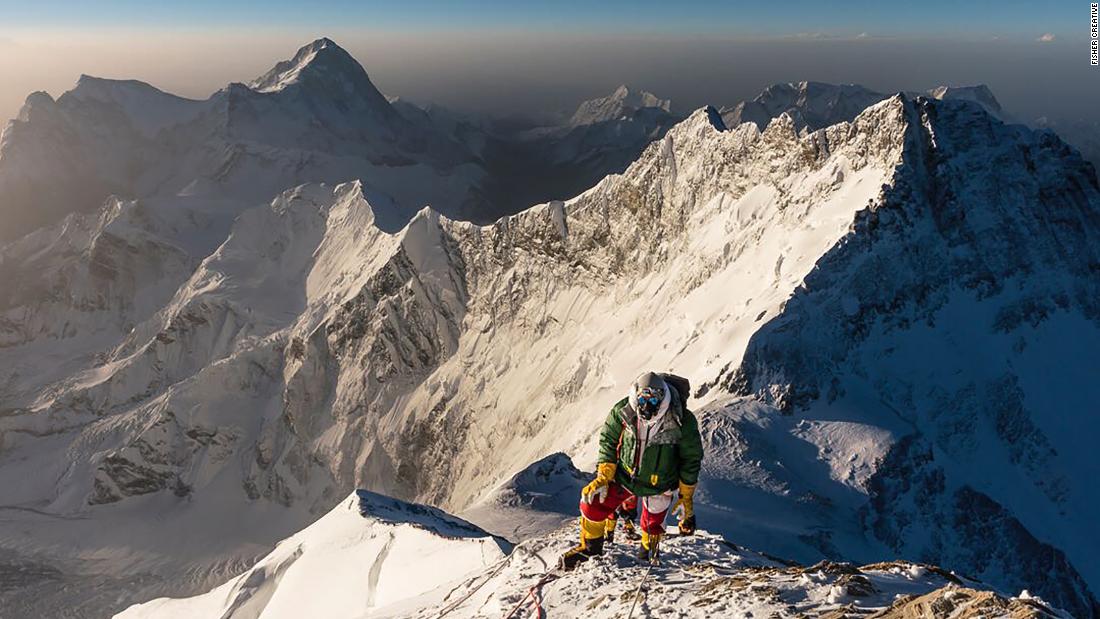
(404, 560)
(370, 556)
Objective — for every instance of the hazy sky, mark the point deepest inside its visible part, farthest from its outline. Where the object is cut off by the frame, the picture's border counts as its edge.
(544, 57)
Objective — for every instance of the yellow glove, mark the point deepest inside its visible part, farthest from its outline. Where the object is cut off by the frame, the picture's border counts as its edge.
(596, 491)
(685, 504)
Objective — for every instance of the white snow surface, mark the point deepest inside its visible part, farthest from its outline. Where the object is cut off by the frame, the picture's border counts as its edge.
(369, 557)
(416, 563)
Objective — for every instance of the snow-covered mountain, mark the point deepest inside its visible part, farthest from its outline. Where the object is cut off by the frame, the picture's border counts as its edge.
(367, 558)
(621, 104)
(557, 162)
(810, 105)
(316, 117)
(814, 105)
(889, 323)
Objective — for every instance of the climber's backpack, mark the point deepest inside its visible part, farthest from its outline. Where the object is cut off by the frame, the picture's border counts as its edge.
(681, 385)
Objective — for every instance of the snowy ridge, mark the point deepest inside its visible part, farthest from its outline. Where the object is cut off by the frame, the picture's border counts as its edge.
(149, 109)
(979, 94)
(374, 566)
(811, 105)
(366, 557)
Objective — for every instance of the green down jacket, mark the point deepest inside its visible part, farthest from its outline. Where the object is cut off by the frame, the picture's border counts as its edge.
(674, 452)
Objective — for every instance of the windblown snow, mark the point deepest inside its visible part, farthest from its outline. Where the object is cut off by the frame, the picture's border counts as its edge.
(887, 307)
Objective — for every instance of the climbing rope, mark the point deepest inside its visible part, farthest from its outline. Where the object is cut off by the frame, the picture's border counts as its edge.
(534, 594)
(450, 608)
(638, 590)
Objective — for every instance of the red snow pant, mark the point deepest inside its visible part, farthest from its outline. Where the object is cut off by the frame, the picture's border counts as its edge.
(654, 508)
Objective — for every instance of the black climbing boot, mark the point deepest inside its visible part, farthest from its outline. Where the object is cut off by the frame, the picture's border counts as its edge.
(584, 551)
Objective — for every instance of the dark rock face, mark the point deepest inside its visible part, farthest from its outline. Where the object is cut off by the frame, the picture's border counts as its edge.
(914, 511)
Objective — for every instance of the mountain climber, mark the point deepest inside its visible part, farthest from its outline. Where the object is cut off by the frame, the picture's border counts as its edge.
(649, 448)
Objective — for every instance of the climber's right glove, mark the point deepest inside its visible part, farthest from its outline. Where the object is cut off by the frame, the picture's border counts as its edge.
(596, 492)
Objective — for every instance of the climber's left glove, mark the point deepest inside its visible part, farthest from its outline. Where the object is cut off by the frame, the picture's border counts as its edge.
(685, 509)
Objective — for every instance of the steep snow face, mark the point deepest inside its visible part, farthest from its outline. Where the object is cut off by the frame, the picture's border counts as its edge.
(314, 118)
(643, 268)
(393, 559)
(370, 556)
(620, 104)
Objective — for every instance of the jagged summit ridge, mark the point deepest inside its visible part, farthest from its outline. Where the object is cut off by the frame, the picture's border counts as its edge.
(811, 105)
(814, 105)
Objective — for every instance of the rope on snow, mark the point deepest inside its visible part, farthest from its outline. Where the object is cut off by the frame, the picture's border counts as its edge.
(638, 590)
(532, 593)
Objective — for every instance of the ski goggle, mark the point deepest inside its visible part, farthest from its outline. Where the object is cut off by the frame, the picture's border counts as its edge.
(649, 397)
